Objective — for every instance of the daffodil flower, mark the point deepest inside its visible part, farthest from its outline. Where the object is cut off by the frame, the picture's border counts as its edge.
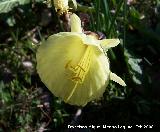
(73, 65)
(61, 6)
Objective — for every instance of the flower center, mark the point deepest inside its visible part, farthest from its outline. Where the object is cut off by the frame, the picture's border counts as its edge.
(80, 70)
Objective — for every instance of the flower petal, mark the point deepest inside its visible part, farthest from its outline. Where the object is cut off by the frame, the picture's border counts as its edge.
(108, 43)
(117, 79)
(75, 23)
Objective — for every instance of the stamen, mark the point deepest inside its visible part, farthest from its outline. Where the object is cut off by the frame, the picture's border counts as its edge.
(80, 70)
(68, 63)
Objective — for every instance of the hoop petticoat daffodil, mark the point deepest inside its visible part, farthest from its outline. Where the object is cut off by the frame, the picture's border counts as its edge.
(73, 65)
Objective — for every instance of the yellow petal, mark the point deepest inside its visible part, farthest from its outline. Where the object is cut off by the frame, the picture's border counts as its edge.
(117, 79)
(75, 23)
(108, 43)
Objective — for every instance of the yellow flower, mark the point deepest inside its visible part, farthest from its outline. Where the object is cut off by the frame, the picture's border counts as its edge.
(73, 65)
(61, 6)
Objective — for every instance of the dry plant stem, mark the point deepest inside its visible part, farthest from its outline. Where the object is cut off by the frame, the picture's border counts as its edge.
(66, 22)
(77, 117)
(48, 117)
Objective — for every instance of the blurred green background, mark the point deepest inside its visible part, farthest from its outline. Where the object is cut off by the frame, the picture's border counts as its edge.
(26, 105)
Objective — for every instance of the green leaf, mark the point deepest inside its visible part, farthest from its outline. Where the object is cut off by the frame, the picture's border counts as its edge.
(134, 63)
(8, 5)
(134, 13)
(134, 67)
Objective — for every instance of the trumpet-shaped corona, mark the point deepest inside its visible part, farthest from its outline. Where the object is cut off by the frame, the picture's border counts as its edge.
(73, 65)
